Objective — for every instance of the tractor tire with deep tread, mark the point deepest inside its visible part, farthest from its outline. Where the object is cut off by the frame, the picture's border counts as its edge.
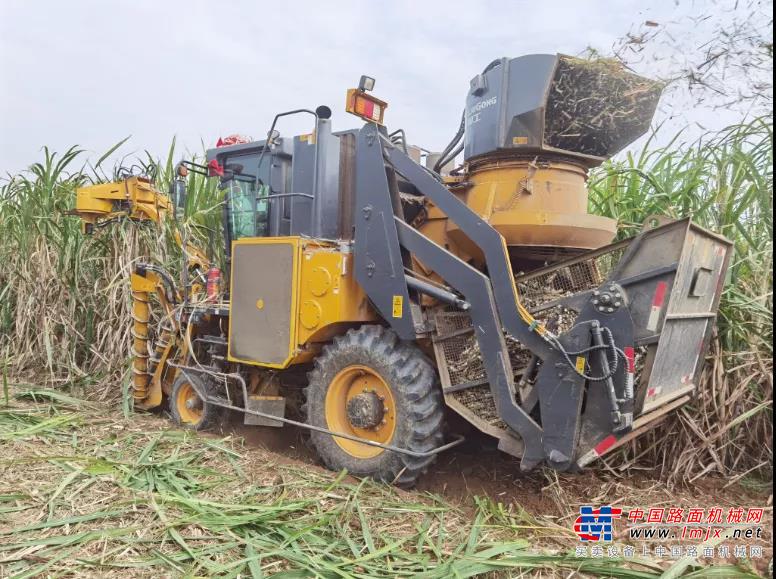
(412, 380)
(205, 417)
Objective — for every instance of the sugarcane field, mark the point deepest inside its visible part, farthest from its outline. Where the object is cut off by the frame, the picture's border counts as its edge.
(371, 289)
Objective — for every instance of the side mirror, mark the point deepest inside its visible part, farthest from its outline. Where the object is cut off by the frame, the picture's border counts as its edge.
(178, 195)
(178, 189)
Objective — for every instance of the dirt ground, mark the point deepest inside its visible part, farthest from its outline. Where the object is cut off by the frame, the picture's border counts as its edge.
(478, 469)
(155, 490)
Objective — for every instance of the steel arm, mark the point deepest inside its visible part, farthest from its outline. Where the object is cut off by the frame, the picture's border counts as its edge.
(381, 233)
(378, 260)
(515, 319)
(134, 198)
(494, 301)
(474, 285)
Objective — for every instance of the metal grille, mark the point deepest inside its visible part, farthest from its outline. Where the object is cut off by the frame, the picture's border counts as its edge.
(450, 320)
(479, 400)
(461, 352)
(563, 280)
(461, 363)
(558, 319)
(458, 352)
(464, 360)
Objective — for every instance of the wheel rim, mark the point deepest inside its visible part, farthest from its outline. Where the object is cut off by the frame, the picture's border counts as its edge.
(354, 385)
(189, 405)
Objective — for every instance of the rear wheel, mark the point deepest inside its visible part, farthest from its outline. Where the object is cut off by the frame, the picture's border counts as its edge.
(369, 384)
(187, 407)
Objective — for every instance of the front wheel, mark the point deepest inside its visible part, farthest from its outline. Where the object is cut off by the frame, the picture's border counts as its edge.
(187, 407)
(369, 384)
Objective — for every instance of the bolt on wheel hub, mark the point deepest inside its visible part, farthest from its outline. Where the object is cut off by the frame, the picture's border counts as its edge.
(366, 410)
(193, 403)
(360, 402)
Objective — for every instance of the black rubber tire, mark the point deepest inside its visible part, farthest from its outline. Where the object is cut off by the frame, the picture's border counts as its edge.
(211, 415)
(414, 386)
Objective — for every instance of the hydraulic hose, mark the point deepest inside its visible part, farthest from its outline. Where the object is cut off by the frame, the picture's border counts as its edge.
(456, 139)
(167, 281)
(607, 347)
(444, 161)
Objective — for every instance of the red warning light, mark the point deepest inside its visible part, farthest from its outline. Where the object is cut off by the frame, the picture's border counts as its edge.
(214, 169)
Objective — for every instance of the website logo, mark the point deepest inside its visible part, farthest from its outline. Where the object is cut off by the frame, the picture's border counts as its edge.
(596, 524)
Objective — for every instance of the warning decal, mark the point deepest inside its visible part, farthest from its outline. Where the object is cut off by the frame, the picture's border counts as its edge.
(398, 306)
(657, 306)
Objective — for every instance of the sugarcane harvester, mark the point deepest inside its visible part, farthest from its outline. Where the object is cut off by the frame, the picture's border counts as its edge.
(365, 289)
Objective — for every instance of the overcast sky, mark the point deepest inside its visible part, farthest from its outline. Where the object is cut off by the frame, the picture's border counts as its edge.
(91, 72)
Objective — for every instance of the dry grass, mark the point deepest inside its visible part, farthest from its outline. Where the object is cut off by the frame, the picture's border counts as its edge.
(87, 493)
(64, 303)
(725, 182)
(597, 107)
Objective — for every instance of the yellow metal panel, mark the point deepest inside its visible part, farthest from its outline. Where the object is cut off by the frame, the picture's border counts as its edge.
(329, 295)
(325, 297)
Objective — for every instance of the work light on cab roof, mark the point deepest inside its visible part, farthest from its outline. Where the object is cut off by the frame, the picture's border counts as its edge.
(363, 105)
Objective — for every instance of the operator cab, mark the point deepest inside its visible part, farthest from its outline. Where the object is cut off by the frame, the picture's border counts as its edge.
(298, 186)
(246, 174)
(286, 186)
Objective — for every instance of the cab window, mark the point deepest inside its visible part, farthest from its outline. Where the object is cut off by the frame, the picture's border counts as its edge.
(249, 215)
(248, 194)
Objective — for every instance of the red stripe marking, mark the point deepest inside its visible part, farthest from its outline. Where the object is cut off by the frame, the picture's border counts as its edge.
(605, 444)
(660, 294)
(630, 354)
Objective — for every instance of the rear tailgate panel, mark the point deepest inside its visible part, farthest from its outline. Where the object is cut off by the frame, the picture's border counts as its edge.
(690, 311)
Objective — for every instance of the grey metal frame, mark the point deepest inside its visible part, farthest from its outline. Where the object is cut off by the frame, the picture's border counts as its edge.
(381, 233)
(382, 243)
